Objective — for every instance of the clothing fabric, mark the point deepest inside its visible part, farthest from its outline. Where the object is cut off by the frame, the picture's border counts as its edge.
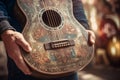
(8, 21)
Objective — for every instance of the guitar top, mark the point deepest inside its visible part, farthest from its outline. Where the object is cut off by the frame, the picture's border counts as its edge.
(59, 42)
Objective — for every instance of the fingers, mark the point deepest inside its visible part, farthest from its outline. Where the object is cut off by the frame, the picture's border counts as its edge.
(19, 61)
(22, 42)
(91, 39)
(14, 53)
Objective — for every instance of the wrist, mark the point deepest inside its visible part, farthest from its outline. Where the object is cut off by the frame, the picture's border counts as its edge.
(7, 33)
(5, 25)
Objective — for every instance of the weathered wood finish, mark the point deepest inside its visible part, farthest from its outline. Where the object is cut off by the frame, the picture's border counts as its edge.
(36, 32)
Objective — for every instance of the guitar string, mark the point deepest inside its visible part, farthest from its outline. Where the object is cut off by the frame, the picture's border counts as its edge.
(55, 34)
(60, 32)
(49, 32)
(50, 20)
(54, 22)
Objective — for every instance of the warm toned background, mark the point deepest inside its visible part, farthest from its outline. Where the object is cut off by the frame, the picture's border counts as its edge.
(104, 20)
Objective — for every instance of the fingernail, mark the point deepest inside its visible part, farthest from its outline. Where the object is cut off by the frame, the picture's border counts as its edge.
(93, 41)
(30, 49)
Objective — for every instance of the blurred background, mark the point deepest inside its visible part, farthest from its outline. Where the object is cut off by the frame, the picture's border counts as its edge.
(104, 19)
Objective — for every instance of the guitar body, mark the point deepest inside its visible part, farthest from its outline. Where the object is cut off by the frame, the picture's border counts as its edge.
(59, 43)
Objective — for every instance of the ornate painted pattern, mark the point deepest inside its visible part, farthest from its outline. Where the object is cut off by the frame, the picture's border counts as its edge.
(59, 24)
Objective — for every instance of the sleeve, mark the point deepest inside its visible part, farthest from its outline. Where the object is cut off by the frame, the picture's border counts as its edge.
(4, 24)
(79, 13)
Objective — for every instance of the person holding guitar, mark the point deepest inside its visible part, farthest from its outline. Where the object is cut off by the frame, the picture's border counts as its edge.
(14, 40)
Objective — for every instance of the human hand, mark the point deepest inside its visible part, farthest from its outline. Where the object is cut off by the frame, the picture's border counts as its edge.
(12, 41)
(91, 37)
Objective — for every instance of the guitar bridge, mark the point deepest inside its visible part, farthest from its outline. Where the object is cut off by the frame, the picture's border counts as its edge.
(59, 44)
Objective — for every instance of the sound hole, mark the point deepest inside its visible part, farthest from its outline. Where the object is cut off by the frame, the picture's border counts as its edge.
(51, 18)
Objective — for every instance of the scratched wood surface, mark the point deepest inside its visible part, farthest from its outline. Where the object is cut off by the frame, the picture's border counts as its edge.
(65, 27)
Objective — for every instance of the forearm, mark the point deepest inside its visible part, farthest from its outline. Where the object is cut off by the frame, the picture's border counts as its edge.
(79, 13)
(4, 23)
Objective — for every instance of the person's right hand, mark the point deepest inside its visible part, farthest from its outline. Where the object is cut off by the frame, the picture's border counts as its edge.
(13, 41)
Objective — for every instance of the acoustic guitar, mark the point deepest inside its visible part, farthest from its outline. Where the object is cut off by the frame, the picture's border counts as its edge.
(59, 42)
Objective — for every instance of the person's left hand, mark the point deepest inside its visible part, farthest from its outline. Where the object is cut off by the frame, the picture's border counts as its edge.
(91, 37)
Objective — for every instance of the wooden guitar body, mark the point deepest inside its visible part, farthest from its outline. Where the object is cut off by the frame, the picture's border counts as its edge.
(59, 43)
